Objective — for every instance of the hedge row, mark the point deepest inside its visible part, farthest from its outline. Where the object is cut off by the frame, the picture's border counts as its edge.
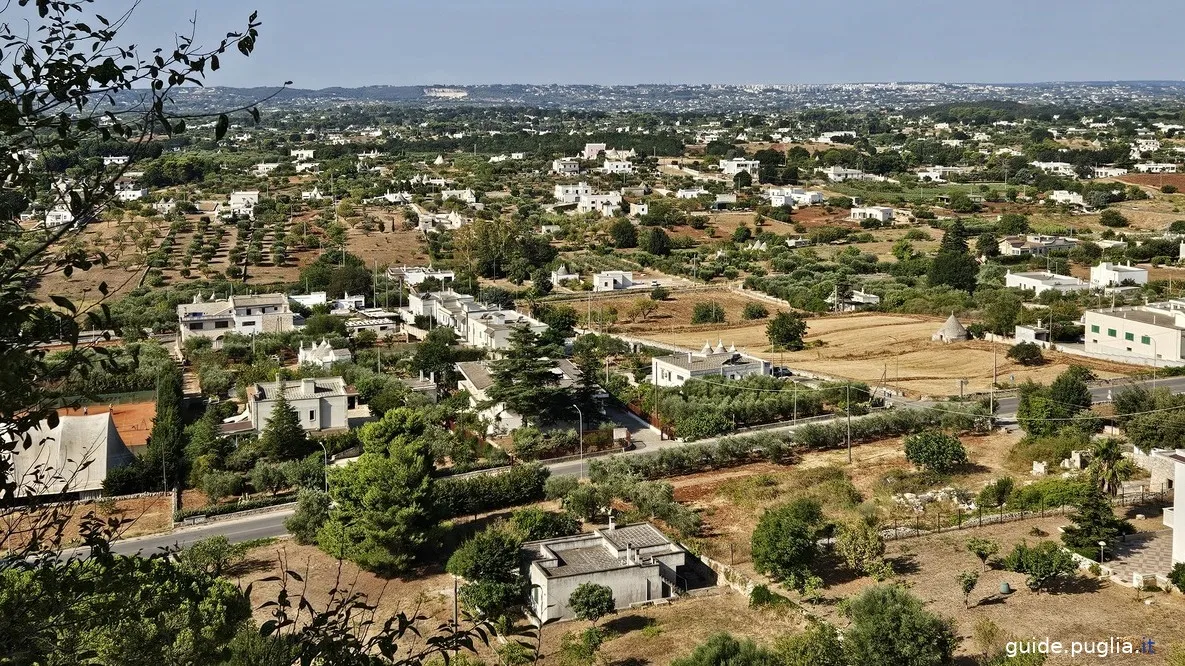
(234, 507)
(692, 458)
(476, 494)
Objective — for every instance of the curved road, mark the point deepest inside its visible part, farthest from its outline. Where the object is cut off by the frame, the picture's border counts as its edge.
(271, 524)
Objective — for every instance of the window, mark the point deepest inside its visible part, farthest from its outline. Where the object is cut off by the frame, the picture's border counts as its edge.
(1111, 332)
(1094, 328)
(249, 322)
(1145, 340)
(312, 415)
(1129, 336)
(222, 324)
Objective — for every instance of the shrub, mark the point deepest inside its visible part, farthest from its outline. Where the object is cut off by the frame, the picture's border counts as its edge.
(1168, 189)
(534, 523)
(1112, 218)
(754, 311)
(312, 510)
(558, 487)
(660, 294)
(1046, 564)
(1177, 576)
(935, 451)
(784, 543)
(763, 597)
(707, 313)
(1026, 353)
(472, 495)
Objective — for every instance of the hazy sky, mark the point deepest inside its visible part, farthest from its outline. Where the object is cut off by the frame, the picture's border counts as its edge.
(405, 42)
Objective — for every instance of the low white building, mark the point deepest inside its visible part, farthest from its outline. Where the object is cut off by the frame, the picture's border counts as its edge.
(1056, 168)
(476, 380)
(613, 280)
(264, 168)
(165, 206)
(617, 167)
(1108, 274)
(569, 194)
(637, 562)
(1156, 167)
(566, 166)
(415, 275)
(57, 217)
(1043, 281)
(302, 154)
(691, 193)
(311, 195)
(561, 275)
(607, 204)
(242, 314)
(738, 165)
(838, 174)
(491, 329)
(115, 160)
(718, 362)
(322, 354)
(380, 326)
(1034, 245)
(320, 404)
(593, 150)
(639, 209)
(1152, 333)
(878, 213)
(1109, 172)
(1067, 197)
(466, 196)
(1174, 517)
(132, 193)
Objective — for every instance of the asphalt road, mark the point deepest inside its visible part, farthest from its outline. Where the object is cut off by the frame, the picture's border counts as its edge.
(271, 524)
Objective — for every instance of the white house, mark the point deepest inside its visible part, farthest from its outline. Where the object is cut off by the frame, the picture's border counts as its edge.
(320, 403)
(1056, 168)
(738, 164)
(246, 315)
(244, 201)
(491, 329)
(322, 354)
(1037, 245)
(311, 195)
(71, 458)
(1067, 197)
(415, 275)
(115, 160)
(302, 154)
(637, 562)
(467, 195)
(561, 275)
(57, 217)
(1107, 274)
(1152, 333)
(838, 174)
(725, 364)
(639, 209)
(164, 206)
(476, 381)
(854, 300)
(1141, 146)
(302, 167)
(565, 166)
(1109, 172)
(617, 167)
(1156, 167)
(878, 213)
(569, 194)
(131, 193)
(793, 196)
(619, 154)
(380, 326)
(264, 168)
(606, 204)
(1043, 281)
(691, 193)
(612, 280)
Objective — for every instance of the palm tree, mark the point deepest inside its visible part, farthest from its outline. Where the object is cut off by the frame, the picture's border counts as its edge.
(1108, 467)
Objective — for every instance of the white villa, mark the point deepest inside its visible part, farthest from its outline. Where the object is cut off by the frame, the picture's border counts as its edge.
(878, 213)
(1043, 281)
(569, 194)
(320, 404)
(246, 315)
(612, 280)
(322, 355)
(727, 364)
(1108, 274)
(739, 164)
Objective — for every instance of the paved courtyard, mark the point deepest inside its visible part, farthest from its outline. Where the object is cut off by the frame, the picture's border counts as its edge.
(1150, 554)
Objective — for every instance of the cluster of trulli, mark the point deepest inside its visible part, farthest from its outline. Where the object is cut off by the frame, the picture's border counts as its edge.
(719, 349)
(951, 331)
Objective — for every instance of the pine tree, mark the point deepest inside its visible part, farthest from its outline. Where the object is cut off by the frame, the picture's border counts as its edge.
(1094, 521)
(952, 265)
(588, 362)
(283, 437)
(524, 378)
(165, 454)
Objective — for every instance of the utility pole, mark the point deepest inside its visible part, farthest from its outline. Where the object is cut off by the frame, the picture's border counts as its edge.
(848, 409)
(992, 396)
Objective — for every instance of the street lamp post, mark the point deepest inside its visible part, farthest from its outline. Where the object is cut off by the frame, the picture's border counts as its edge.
(325, 460)
(1102, 545)
(580, 432)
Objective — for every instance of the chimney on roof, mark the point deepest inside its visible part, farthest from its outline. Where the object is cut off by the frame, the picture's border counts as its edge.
(612, 525)
(308, 386)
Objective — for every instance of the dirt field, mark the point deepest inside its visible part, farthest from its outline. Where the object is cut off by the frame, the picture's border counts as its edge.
(394, 247)
(1154, 180)
(674, 314)
(147, 515)
(656, 635)
(895, 350)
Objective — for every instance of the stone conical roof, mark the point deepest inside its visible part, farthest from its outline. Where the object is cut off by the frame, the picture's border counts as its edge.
(952, 329)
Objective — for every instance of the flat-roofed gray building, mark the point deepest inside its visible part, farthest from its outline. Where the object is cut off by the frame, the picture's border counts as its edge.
(1152, 334)
(638, 562)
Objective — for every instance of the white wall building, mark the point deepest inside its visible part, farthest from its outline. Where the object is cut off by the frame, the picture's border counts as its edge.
(878, 213)
(1056, 168)
(1109, 172)
(738, 164)
(302, 154)
(607, 204)
(245, 315)
(639, 209)
(1156, 167)
(691, 194)
(311, 195)
(467, 195)
(70, 458)
(1043, 281)
(569, 194)
(612, 280)
(617, 167)
(561, 275)
(593, 150)
(725, 364)
(415, 275)
(637, 562)
(320, 404)
(1107, 274)
(1153, 333)
(115, 160)
(1067, 197)
(566, 166)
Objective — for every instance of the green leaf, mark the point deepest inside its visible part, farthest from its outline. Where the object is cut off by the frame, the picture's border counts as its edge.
(221, 126)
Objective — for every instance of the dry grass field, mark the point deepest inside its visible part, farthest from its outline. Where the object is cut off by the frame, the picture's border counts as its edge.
(673, 316)
(894, 350)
